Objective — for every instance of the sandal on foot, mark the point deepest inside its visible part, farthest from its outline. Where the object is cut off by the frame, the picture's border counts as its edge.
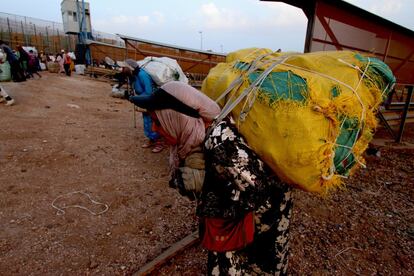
(147, 144)
(157, 148)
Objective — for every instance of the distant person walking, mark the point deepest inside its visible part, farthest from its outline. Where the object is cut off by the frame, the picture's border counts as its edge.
(33, 65)
(61, 62)
(67, 61)
(42, 59)
(23, 59)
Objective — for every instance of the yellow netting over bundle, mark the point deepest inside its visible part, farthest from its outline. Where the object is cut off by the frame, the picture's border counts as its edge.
(308, 116)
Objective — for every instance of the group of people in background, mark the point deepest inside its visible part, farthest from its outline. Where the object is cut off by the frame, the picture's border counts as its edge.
(65, 62)
(23, 64)
(26, 64)
(62, 58)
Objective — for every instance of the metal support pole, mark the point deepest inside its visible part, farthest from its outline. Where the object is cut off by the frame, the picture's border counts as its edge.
(36, 40)
(405, 113)
(83, 26)
(47, 38)
(78, 13)
(129, 86)
(10, 34)
(42, 43)
(53, 36)
(90, 58)
(24, 36)
(386, 125)
(201, 40)
(59, 41)
(67, 42)
(134, 117)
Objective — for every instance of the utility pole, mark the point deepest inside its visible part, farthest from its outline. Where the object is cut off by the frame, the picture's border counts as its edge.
(201, 40)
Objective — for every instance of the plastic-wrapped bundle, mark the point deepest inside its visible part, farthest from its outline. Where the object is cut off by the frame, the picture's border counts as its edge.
(5, 73)
(163, 69)
(308, 116)
(53, 67)
(118, 93)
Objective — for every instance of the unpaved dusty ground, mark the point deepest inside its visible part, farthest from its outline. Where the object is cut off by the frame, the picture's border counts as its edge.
(66, 135)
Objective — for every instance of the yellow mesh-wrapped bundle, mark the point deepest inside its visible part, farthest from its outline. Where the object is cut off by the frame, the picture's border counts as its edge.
(308, 116)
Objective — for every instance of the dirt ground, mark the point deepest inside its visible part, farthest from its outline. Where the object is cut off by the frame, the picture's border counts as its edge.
(67, 139)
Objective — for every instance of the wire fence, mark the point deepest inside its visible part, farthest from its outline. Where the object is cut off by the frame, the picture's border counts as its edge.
(45, 35)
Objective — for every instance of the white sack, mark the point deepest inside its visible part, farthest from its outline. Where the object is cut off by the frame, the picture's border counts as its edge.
(163, 69)
(80, 69)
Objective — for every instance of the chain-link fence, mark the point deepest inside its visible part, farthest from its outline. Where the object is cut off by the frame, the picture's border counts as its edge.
(47, 36)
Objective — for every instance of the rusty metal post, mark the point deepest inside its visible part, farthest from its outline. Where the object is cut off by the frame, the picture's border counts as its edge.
(10, 34)
(405, 113)
(42, 43)
(129, 86)
(134, 116)
(24, 35)
(58, 37)
(36, 40)
(47, 39)
(386, 125)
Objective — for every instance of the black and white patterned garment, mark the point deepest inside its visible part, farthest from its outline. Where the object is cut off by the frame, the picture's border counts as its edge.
(237, 182)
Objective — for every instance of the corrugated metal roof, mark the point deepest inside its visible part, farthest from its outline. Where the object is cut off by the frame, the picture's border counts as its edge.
(125, 37)
(89, 41)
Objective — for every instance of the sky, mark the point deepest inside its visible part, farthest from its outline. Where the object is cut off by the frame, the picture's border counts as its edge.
(217, 25)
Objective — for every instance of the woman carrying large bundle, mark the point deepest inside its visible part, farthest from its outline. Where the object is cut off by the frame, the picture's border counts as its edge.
(244, 208)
